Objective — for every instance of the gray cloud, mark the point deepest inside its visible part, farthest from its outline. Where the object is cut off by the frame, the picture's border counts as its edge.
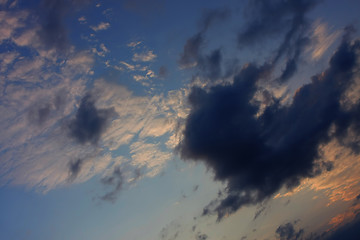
(89, 122)
(116, 181)
(74, 168)
(288, 232)
(53, 32)
(256, 156)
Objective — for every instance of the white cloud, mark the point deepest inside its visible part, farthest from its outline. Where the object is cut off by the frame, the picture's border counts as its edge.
(102, 52)
(134, 44)
(128, 65)
(144, 57)
(10, 21)
(82, 20)
(101, 26)
(41, 91)
(322, 39)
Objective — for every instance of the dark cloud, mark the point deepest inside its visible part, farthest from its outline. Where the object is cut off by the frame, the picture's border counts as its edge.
(196, 187)
(192, 56)
(257, 155)
(41, 112)
(163, 72)
(116, 181)
(191, 53)
(211, 16)
(53, 32)
(74, 169)
(270, 18)
(171, 231)
(211, 65)
(201, 236)
(259, 211)
(90, 122)
(288, 232)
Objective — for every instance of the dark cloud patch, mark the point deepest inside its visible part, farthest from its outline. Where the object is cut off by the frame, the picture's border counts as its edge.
(74, 168)
(42, 111)
(191, 53)
(259, 211)
(257, 155)
(116, 181)
(171, 231)
(210, 65)
(201, 236)
(288, 232)
(163, 72)
(40, 114)
(53, 32)
(145, 8)
(89, 122)
(270, 18)
(211, 16)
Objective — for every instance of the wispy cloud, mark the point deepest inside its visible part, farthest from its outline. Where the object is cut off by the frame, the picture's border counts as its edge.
(322, 39)
(101, 26)
(144, 57)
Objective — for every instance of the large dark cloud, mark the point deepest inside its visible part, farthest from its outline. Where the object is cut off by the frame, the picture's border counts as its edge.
(53, 32)
(257, 155)
(89, 122)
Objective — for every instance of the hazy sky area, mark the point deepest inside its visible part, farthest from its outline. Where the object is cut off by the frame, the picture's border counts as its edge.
(179, 120)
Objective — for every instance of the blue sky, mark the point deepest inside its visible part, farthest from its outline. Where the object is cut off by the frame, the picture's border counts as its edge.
(165, 120)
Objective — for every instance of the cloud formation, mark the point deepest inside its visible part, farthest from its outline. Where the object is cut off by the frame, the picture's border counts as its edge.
(89, 122)
(257, 155)
(288, 232)
(53, 32)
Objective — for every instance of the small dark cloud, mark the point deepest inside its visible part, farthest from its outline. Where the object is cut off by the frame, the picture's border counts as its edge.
(74, 169)
(116, 181)
(256, 156)
(195, 188)
(191, 53)
(288, 232)
(41, 112)
(201, 236)
(171, 231)
(53, 32)
(89, 122)
(259, 211)
(211, 16)
(270, 18)
(211, 65)
(163, 72)
(192, 56)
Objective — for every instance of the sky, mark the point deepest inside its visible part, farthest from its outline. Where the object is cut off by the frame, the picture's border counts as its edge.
(178, 120)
